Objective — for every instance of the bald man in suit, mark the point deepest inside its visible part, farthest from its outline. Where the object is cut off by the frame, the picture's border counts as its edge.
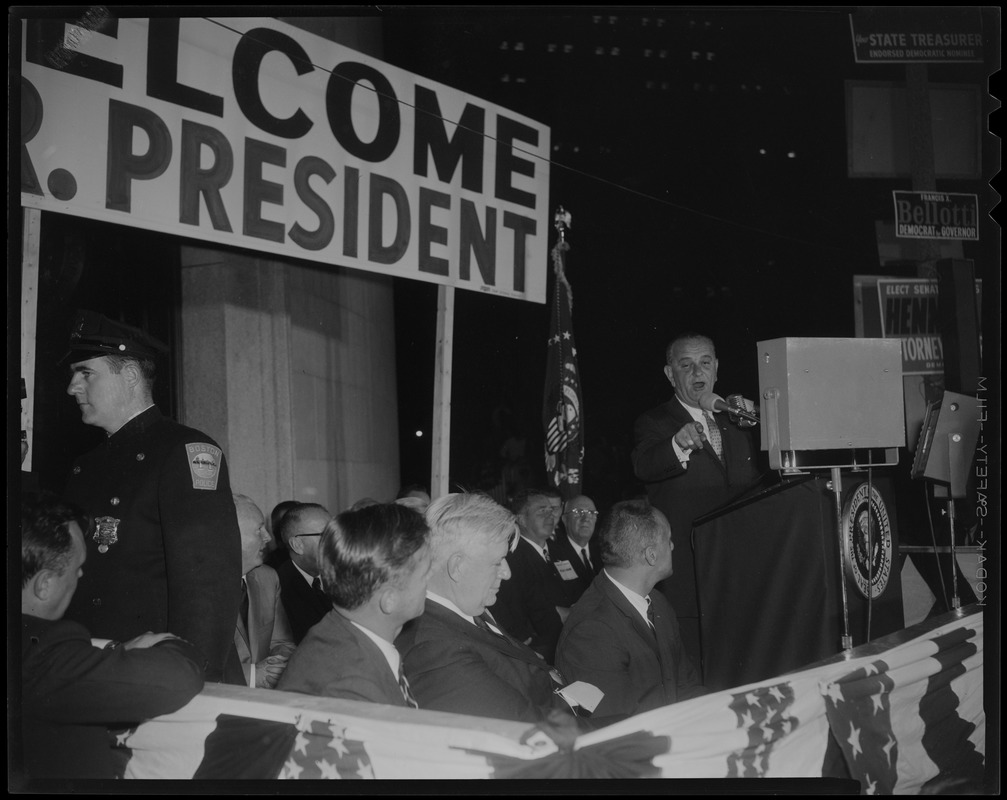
(622, 636)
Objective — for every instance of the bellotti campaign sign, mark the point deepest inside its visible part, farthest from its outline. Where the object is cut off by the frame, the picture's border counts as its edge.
(255, 134)
(936, 215)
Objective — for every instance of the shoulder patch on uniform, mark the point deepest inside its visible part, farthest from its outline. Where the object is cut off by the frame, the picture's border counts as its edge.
(204, 464)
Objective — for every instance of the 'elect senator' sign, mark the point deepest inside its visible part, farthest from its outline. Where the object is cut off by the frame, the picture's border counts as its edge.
(256, 134)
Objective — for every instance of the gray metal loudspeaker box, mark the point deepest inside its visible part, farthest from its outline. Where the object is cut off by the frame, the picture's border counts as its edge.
(831, 402)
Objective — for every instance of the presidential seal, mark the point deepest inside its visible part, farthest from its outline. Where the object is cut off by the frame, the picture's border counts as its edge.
(867, 541)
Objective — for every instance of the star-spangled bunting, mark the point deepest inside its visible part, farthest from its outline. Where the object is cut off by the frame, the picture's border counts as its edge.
(322, 752)
(763, 713)
(562, 412)
(899, 723)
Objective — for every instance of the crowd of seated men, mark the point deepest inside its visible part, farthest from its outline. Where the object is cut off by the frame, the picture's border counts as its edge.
(459, 605)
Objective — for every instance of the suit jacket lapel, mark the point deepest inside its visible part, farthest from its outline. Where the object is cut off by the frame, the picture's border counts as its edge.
(635, 620)
(500, 643)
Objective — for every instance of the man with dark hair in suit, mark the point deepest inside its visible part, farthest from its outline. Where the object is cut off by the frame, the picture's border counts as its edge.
(375, 563)
(301, 530)
(574, 548)
(74, 687)
(621, 636)
(532, 604)
(457, 657)
(692, 463)
(262, 638)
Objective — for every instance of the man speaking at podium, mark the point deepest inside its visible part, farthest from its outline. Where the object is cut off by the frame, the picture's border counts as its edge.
(692, 462)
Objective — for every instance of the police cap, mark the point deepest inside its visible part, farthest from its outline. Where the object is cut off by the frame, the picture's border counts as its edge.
(94, 335)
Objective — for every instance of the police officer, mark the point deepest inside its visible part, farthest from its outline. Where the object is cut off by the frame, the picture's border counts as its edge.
(164, 551)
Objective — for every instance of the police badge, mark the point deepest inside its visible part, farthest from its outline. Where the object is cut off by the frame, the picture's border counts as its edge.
(105, 532)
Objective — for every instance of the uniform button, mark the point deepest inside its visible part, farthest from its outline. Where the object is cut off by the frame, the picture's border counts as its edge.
(76, 470)
(96, 601)
(140, 456)
(114, 501)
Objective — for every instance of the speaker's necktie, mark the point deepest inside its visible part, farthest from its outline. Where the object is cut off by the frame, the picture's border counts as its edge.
(587, 559)
(316, 585)
(406, 691)
(713, 434)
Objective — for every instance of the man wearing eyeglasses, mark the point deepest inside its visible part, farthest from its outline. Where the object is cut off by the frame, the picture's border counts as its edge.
(574, 549)
(300, 529)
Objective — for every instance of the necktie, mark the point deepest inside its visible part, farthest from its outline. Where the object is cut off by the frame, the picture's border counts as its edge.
(490, 625)
(406, 691)
(316, 585)
(713, 434)
(650, 617)
(546, 556)
(243, 611)
(587, 559)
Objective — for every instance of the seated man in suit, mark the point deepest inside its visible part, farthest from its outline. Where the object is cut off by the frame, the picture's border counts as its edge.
(574, 549)
(375, 563)
(72, 689)
(622, 637)
(532, 604)
(262, 638)
(456, 657)
(300, 530)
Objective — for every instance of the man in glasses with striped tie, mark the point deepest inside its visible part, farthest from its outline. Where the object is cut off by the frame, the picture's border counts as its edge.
(375, 563)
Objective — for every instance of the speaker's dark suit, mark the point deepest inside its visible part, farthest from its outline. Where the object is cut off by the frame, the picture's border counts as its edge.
(304, 606)
(336, 659)
(683, 494)
(526, 603)
(452, 665)
(562, 549)
(607, 643)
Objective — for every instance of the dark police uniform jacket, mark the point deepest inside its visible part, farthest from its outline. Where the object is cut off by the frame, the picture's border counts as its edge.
(161, 490)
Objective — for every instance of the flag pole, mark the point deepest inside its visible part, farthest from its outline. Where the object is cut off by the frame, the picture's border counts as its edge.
(440, 445)
(562, 412)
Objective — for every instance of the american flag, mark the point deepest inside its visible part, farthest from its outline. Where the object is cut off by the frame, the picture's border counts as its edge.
(563, 410)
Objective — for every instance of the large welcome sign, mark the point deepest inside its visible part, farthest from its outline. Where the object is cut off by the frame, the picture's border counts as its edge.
(256, 134)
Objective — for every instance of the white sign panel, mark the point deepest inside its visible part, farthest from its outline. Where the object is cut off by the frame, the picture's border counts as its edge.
(252, 133)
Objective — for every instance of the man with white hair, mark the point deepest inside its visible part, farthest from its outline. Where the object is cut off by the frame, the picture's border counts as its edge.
(263, 641)
(457, 658)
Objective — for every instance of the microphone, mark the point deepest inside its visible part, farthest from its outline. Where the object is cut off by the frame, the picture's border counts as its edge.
(716, 404)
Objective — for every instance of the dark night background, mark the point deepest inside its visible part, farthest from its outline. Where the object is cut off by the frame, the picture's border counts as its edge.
(671, 132)
(679, 221)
